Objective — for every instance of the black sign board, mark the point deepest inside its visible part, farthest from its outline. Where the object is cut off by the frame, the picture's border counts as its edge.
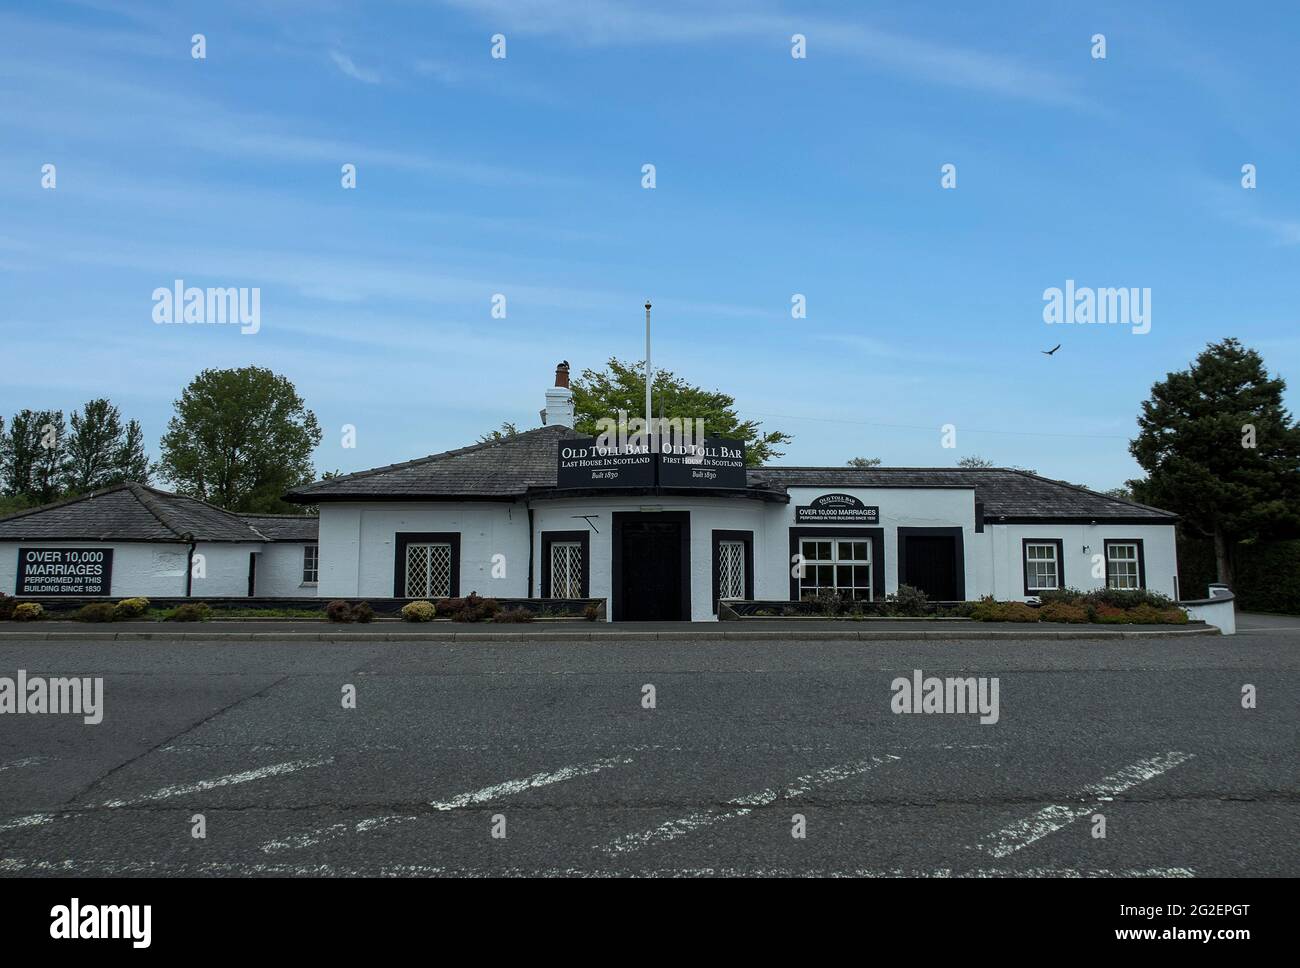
(836, 509)
(65, 571)
(584, 464)
(714, 462)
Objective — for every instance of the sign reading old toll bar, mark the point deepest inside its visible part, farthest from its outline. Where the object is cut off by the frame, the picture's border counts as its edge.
(583, 463)
(65, 571)
(836, 509)
(714, 462)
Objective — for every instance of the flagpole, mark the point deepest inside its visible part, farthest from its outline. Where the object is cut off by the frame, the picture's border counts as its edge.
(648, 412)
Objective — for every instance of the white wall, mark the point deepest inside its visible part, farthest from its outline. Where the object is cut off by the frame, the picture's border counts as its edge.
(279, 571)
(1005, 549)
(357, 545)
(139, 568)
(899, 508)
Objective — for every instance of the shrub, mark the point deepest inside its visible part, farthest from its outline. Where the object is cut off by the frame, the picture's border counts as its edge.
(418, 612)
(7, 606)
(513, 615)
(338, 611)
(129, 608)
(591, 613)
(1062, 596)
(94, 612)
(28, 612)
(1109, 614)
(908, 601)
(987, 610)
(1063, 612)
(471, 608)
(362, 612)
(191, 612)
(828, 602)
(1129, 598)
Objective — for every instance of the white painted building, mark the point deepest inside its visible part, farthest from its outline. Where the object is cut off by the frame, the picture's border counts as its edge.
(133, 540)
(493, 518)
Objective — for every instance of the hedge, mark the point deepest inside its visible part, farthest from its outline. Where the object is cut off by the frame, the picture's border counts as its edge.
(1266, 575)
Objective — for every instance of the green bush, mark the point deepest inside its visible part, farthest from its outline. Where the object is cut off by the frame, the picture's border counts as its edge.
(7, 606)
(828, 602)
(418, 612)
(28, 612)
(1062, 596)
(1128, 598)
(1063, 612)
(129, 608)
(987, 610)
(94, 612)
(190, 612)
(907, 601)
(338, 611)
(362, 612)
(513, 615)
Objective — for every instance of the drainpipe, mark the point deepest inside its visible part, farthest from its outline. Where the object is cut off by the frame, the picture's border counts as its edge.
(530, 551)
(189, 566)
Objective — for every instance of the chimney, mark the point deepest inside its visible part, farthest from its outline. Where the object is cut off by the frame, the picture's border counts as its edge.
(559, 399)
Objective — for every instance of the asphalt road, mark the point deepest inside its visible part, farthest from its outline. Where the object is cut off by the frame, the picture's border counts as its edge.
(553, 742)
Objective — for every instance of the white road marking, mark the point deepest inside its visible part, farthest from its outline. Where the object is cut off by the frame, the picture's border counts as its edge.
(25, 761)
(202, 786)
(157, 868)
(510, 787)
(34, 820)
(1052, 818)
(744, 805)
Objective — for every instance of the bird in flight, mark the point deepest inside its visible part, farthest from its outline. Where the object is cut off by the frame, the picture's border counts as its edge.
(1051, 351)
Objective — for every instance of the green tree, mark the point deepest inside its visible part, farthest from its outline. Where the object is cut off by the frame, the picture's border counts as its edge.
(507, 430)
(100, 450)
(50, 435)
(240, 439)
(864, 462)
(974, 460)
(599, 394)
(1221, 450)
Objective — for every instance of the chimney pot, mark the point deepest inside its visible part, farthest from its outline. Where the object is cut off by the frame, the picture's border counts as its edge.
(562, 374)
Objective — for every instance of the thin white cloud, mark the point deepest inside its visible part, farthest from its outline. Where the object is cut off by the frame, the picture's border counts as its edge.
(349, 67)
(600, 23)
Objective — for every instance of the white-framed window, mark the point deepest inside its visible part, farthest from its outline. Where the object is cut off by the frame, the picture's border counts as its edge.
(841, 565)
(428, 570)
(1042, 566)
(1122, 570)
(310, 564)
(731, 570)
(566, 569)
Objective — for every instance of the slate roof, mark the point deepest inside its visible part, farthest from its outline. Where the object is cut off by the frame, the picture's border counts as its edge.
(284, 527)
(500, 468)
(134, 512)
(526, 462)
(1016, 495)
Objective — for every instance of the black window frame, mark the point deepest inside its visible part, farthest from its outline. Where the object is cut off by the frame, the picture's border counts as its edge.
(875, 535)
(1060, 565)
(747, 539)
(583, 538)
(1141, 560)
(403, 538)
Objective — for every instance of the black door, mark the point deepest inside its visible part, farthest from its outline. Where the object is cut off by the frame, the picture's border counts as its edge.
(932, 566)
(252, 573)
(651, 585)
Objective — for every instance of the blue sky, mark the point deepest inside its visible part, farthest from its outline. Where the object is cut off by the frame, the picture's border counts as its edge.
(775, 176)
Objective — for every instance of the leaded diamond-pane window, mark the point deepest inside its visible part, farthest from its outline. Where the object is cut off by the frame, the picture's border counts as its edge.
(731, 570)
(566, 569)
(428, 570)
